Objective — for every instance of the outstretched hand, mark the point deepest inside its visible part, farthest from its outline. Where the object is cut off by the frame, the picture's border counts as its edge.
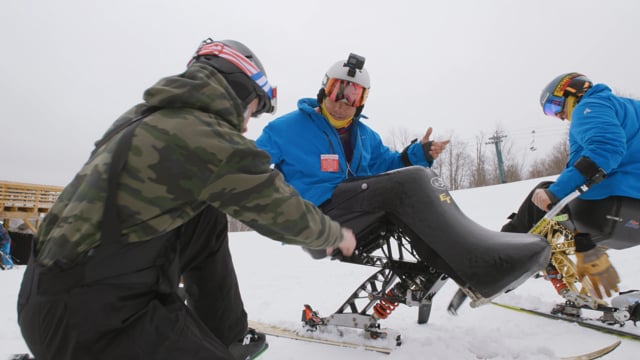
(437, 147)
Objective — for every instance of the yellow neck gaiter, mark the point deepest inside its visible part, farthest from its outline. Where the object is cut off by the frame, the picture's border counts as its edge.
(338, 124)
(572, 101)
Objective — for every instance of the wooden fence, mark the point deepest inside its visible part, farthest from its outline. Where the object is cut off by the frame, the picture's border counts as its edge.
(26, 202)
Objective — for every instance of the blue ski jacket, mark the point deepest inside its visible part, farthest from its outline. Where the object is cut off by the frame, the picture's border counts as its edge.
(605, 128)
(5, 248)
(300, 141)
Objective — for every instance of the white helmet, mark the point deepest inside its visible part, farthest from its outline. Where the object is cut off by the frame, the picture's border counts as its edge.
(346, 81)
(351, 70)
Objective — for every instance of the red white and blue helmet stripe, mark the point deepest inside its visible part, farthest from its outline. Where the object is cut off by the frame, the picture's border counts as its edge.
(240, 61)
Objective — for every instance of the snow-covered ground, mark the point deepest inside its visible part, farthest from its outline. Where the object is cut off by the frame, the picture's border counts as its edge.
(278, 280)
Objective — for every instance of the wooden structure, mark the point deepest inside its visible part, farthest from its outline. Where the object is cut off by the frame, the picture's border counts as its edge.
(26, 202)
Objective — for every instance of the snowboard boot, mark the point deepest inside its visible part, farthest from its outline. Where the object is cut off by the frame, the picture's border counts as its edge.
(250, 346)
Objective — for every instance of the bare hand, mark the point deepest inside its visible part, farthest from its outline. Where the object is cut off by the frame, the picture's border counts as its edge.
(348, 244)
(541, 200)
(437, 147)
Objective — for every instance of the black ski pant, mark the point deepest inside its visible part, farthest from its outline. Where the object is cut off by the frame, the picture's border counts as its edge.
(415, 201)
(527, 215)
(122, 301)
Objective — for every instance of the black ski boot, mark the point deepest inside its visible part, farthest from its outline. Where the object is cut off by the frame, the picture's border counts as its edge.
(250, 346)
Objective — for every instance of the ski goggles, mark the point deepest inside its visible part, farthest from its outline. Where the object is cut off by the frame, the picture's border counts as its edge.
(349, 92)
(553, 105)
(267, 104)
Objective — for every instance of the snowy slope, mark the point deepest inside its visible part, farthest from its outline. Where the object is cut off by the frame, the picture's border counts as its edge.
(278, 280)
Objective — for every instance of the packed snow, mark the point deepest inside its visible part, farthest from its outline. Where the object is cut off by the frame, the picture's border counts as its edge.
(277, 280)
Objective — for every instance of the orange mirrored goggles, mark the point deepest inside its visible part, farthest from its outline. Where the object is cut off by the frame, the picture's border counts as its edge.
(349, 92)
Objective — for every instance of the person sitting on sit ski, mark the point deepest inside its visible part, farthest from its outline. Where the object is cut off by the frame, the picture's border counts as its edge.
(604, 137)
(336, 161)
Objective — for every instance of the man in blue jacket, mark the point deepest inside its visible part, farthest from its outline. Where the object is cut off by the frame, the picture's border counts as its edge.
(604, 136)
(325, 141)
(325, 144)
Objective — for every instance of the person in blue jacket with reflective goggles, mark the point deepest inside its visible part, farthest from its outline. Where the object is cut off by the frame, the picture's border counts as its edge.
(604, 138)
(325, 141)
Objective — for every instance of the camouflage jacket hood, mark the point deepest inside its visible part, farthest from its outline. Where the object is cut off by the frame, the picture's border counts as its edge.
(202, 88)
(187, 155)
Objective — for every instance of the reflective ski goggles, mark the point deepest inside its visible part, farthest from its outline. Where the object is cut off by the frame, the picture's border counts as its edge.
(349, 92)
(553, 105)
(267, 104)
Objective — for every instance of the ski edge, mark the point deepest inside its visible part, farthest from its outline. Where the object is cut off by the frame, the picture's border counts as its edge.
(282, 332)
(604, 329)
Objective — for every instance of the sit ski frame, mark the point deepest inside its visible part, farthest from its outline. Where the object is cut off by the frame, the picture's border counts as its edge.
(402, 278)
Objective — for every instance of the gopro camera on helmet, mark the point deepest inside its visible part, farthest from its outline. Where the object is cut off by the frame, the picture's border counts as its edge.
(354, 62)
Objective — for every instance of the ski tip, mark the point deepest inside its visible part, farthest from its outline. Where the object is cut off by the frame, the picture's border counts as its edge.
(596, 354)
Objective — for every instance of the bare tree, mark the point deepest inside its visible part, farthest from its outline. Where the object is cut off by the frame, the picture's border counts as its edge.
(513, 167)
(478, 175)
(454, 164)
(553, 164)
(504, 160)
(399, 138)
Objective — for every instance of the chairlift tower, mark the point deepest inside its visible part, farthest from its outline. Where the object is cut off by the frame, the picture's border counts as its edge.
(496, 139)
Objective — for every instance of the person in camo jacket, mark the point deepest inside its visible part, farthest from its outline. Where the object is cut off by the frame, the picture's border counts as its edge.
(150, 207)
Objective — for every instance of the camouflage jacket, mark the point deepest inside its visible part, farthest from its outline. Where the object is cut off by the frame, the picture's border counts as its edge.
(187, 155)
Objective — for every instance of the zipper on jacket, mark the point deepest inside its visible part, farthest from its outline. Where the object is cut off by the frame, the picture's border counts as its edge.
(357, 137)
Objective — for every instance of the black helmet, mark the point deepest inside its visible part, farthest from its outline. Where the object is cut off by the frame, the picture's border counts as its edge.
(242, 69)
(554, 95)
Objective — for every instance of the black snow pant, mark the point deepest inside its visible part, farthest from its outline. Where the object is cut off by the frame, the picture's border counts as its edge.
(527, 215)
(122, 301)
(415, 200)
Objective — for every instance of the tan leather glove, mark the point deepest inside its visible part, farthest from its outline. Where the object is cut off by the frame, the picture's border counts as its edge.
(595, 265)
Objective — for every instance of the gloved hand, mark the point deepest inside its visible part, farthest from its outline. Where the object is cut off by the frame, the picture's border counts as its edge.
(595, 265)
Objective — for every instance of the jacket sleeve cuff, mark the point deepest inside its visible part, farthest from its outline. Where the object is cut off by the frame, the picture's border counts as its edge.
(569, 180)
(554, 200)
(417, 155)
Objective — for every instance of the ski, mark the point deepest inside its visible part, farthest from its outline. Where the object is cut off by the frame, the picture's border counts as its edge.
(279, 331)
(596, 354)
(589, 323)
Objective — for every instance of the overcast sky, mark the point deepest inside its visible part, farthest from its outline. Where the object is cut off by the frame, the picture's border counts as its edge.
(465, 67)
